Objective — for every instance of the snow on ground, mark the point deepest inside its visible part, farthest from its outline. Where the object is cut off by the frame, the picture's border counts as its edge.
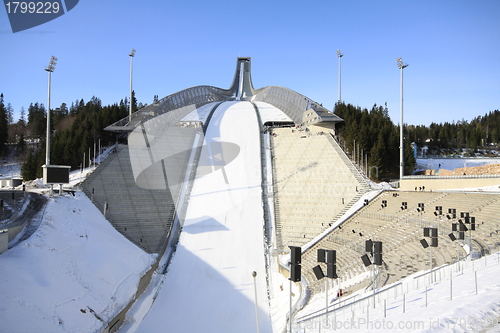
(200, 114)
(78, 176)
(271, 113)
(75, 177)
(76, 268)
(74, 274)
(10, 170)
(279, 285)
(13, 170)
(453, 163)
(452, 304)
(209, 286)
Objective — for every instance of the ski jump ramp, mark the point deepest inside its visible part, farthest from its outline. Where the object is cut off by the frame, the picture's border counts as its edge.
(202, 145)
(209, 286)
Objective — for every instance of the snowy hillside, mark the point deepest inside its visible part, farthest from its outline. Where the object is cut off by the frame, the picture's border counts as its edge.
(72, 275)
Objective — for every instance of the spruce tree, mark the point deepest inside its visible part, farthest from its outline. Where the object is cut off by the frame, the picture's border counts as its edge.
(409, 157)
(4, 125)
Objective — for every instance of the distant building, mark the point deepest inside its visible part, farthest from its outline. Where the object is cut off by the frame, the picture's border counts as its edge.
(13, 182)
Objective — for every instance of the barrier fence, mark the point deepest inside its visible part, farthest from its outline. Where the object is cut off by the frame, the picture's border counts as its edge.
(393, 299)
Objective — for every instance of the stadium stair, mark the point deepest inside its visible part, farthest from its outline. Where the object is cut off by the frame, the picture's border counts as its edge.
(143, 216)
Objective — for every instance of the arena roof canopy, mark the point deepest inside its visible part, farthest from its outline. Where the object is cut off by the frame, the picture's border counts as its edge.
(302, 110)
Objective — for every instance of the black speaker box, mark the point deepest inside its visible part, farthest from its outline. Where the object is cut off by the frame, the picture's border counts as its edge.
(331, 271)
(295, 254)
(366, 260)
(369, 246)
(331, 257)
(295, 273)
(318, 272)
(424, 243)
(321, 255)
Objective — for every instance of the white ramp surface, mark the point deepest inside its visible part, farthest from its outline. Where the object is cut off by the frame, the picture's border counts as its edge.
(209, 286)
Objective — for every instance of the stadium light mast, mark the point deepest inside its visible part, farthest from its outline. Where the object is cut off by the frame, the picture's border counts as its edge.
(401, 66)
(132, 54)
(50, 68)
(339, 55)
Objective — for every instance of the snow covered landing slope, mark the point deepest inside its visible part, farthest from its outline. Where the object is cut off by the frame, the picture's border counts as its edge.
(74, 274)
(209, 286)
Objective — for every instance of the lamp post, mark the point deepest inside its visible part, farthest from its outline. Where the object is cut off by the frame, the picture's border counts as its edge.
(339, 55)
(254, 274)
(295, 274)
(132, 54)
(50, 68)
(401, 66)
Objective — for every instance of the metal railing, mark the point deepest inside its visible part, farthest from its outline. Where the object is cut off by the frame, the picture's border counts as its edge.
(393, 298)
(198, 96)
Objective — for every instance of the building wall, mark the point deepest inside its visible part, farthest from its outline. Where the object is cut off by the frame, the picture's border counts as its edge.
(4, 241)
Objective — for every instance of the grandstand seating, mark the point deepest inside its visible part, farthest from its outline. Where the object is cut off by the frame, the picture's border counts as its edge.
(401, 230)
(143, 216)
(314, 183)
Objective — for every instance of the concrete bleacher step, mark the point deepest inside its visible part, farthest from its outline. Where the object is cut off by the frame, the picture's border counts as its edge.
(401, 231)
(298, 215)
(143, 216)
(313, 185)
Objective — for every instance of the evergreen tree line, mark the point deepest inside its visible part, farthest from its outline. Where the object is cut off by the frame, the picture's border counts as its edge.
(77, 128)
(73, 131)
(6, 113)
(374, 133)
(482, 131)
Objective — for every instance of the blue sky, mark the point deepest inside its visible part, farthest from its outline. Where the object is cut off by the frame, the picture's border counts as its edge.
(452, 48)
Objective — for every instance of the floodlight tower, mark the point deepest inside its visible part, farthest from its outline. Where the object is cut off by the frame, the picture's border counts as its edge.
(50, 68)
(339, 55)
(401, 66)
(132, 54)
